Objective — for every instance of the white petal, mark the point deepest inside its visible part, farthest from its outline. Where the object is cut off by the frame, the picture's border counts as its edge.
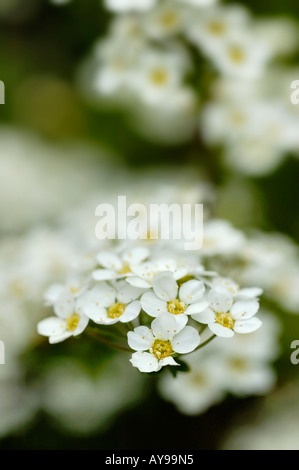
(83, 322)
(205, 317)
(138, 282)
(52, 294)
(250, 292)
(181, 320)
(220, 330)
(131, 311)
(50, 326)
(65, 305)
(244, 309)
(145, 362)
(220, 299)
(136, 256)
(102, 294)
(140, 339)
(152, 305)
(109, 260)
(60, 337)
(165, 326)
(165, 286)
(104, 274)
(192, 291)
(247, 326)
(197, 307)
(96, 313)
(186, 341)
(168, 361)
(127, 293)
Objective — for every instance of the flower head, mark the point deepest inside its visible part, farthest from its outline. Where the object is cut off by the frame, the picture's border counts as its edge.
(156, 346)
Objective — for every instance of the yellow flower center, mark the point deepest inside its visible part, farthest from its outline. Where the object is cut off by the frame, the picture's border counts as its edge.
(125, 269)
(226, 320)
(72, 322)
(116, 310)
(74, 290)
(216, 27)
(238, 364)
(176, 307)
(169, 19)
(236, 54)
(159, 76)
(161, 348)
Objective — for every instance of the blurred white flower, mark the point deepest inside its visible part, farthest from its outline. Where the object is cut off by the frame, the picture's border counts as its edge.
(209, 28)
(83, 402)
(18, 403)
(116, 266)
(240, 55)
(165, 20)
(157, 75)
(220, 237)
(125, 5)
(196, 391)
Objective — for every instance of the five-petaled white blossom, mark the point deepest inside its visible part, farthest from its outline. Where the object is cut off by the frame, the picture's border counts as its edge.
(168, 297)
(155, 347)
(226, 315)
(106, 305)
(70, 319)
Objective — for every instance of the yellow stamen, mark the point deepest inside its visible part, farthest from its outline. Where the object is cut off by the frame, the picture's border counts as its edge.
(226, 320)
(116, 310)
(161, 349)
(176, 307)
(236, 54)
(125, 269)
(72, 322)
(159, 76)
(216, 27)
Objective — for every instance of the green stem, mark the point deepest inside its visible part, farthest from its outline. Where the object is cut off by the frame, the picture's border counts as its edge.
(107, 342)
(207, 341)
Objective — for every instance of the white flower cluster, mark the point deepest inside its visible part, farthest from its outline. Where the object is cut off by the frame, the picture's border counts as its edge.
(153, 63)
(164, 302)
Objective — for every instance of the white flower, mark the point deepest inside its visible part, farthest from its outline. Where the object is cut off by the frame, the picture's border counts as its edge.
(196, 391)
(156, 346)
(158, 75)
(106, 305)
(224, 317)
(165, 20)
(169, 298)
(125, 5)
(209, 28)
(115, 266)
(82, 402)
(221, 238)
(240, 55)
(234, 288)
(145, 273)
(70, 320)
(200, 3)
